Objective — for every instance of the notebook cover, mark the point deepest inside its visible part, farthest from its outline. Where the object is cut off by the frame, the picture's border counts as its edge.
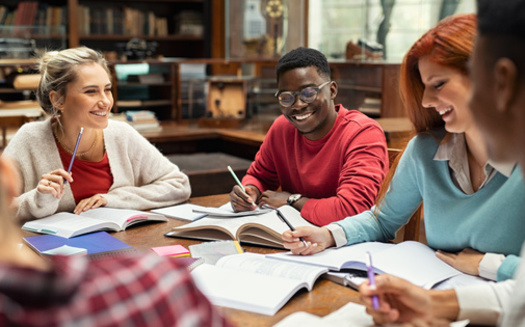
(96, 244)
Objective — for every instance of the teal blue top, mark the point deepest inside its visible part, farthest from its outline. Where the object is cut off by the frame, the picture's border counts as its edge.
(490, 220)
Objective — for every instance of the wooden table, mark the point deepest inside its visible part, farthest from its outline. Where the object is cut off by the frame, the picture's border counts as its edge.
(325, 297)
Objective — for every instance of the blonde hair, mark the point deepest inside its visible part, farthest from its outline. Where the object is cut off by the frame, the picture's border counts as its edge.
(58, 69)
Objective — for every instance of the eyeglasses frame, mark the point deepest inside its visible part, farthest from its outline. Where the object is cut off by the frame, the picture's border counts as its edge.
(316, 88)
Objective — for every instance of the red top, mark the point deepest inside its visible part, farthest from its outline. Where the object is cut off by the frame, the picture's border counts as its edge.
(89, 178)
(340, 173)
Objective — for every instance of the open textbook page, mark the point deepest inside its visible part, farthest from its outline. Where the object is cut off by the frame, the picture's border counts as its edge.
(251, 282)
(413, 261)
(66, 224)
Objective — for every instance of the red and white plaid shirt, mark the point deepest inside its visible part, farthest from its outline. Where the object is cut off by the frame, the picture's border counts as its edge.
(118, 291)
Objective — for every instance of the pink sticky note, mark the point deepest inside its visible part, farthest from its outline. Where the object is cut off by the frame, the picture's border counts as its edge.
(171, 250)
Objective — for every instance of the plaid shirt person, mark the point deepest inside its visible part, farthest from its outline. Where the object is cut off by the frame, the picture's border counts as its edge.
(118, 291)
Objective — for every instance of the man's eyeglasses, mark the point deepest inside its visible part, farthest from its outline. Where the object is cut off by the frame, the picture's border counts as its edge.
(307, 95)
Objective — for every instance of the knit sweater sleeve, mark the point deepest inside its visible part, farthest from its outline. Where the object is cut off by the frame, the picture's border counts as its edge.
(142, 177)
(262, 172)
(400, 202)
(32, 162)
(364, 166)
(508, 267)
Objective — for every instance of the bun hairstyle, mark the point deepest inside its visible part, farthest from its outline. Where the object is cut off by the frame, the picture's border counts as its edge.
(58, 69)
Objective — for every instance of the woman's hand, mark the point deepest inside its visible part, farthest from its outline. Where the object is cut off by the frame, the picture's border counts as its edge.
(53, 182)
(317, 238)
(93, 202)
(466, 261)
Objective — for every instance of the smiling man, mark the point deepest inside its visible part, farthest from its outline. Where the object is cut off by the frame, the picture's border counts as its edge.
(328, 161)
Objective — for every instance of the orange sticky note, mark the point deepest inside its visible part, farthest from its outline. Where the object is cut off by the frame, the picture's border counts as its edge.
(172, 251)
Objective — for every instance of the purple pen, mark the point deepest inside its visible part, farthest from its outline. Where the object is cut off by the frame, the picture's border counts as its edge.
(74, 153)
(371, 279)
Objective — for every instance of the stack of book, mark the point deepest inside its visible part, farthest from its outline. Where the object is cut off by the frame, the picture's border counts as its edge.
(371, 107)
(143, 120)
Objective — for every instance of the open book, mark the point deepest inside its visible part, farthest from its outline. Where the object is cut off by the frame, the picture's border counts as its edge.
(251, 282)
(67, 224)
(263, 229)
(189, 211)
(410, 260)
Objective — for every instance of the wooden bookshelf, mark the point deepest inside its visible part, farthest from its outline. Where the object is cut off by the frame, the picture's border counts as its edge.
(172, 42)
(181, 28)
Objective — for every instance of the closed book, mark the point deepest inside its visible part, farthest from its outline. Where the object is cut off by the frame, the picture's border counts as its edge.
(96, 244)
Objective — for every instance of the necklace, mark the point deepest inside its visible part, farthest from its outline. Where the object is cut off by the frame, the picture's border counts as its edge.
(68, 150)
(479, 175)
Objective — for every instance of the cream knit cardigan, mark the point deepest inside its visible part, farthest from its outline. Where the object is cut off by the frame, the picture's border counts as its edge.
(142, 177)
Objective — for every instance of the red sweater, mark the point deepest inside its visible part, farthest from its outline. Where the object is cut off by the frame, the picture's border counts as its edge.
(340, 173)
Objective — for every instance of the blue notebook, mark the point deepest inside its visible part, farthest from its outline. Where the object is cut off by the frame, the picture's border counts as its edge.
(96, 244)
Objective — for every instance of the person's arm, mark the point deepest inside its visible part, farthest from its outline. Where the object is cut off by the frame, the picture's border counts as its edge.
(401, 301)
(142, 177)
(492, 266)
(364, 166)
(508, 267)
(32, 163)
(262, 174)
(400, 202)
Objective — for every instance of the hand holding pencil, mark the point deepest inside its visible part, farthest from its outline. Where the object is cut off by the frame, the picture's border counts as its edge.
(55, 181)
(242, 198)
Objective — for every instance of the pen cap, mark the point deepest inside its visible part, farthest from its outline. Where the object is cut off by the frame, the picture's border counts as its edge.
(368, 259)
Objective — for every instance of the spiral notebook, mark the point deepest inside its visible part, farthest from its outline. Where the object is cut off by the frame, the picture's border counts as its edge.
(96, 245)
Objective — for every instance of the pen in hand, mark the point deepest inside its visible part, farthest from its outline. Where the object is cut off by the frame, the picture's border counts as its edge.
(74, 153)
(289, 225)
(371, 279)
(239, 182)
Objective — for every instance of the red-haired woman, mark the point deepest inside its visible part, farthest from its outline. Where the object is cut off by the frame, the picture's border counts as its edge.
(445, 167)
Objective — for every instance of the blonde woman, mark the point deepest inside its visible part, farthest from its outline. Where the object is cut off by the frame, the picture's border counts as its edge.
(114, 166)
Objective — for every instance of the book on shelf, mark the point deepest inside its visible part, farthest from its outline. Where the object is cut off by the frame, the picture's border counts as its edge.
(142, 120)
(261, 229)
(410, 260)
(140, 115)
(129, 103)
(68, 225)
(371, 107)
(94, 245)
(147, 127)
(252, 282)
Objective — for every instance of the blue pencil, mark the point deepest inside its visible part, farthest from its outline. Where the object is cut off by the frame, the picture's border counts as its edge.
(74, 153)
